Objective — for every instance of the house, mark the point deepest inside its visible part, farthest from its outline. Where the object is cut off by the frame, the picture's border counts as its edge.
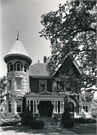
(33, 86)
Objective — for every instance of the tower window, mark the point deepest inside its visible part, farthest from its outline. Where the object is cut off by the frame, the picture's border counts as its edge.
(18, 67)
(25, 68)
(9, 106)
(10, 67)
(18, 83)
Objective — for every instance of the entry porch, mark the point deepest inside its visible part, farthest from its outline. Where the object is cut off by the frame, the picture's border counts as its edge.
(45, 103)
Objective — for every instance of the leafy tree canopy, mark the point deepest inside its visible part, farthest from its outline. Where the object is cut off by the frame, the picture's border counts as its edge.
(72, 29)
(3, 84)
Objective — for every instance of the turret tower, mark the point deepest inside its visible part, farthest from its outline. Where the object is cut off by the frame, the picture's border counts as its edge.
(18, 62)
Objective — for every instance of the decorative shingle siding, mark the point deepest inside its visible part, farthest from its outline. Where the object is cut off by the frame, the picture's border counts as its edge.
(34, 85)
(49, 85)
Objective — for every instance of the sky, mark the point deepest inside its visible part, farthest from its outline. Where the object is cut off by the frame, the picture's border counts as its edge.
(24, 16)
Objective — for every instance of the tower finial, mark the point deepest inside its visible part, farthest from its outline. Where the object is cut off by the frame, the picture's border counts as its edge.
(17, 35)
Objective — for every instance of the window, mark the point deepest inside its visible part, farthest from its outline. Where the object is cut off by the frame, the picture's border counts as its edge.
(42, 85)
(10, 67)
(18, 83)
(18, 67)
(9, 106)
(25, 68)
(85, 108)
(10, 85)
(19, 106)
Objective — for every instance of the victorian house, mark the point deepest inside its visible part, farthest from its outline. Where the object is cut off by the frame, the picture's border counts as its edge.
(33, 86)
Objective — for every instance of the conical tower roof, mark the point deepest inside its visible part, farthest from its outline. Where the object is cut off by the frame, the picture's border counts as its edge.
(17, 50)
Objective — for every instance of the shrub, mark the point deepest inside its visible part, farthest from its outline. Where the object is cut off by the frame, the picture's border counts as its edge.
(65, 116)
(37, 124)
(84, 120)
(68, 123)
(27, 117)
(8, 120)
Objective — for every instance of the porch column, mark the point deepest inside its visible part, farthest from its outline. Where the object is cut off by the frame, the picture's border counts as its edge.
(36, 106)
(33, 107)
(29, 105)
(54, 109)
(56, 106)
(13, 106)
(62, 106)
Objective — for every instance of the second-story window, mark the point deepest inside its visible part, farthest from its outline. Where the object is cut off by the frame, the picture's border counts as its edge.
(9, 106)
(42, 85)
(18, 83)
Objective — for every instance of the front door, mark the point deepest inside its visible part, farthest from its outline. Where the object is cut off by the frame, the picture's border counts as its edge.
(45, 108)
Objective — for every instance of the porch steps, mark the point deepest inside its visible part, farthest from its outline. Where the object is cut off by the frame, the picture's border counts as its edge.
(47, 120)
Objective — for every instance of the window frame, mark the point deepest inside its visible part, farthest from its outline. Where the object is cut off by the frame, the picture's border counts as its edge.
(17, 106)
(9, 107)
(42, 82)
(10, 67)
(16, 84)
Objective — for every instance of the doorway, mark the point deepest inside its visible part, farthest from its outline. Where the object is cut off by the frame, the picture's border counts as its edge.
(45, 108)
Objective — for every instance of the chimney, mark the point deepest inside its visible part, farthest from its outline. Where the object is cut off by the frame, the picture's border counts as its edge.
(45, 59)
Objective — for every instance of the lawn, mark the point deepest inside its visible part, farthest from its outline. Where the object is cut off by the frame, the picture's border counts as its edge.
(85, 128)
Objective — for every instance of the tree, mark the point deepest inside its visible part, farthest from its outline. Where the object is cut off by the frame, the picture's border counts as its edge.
(72, 29)
(3, 84)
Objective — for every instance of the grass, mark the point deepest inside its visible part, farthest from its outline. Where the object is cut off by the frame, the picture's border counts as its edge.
(90, 128)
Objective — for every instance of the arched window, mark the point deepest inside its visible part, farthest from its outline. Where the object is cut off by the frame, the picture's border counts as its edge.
(10, 67)
(9, 106)
(18, 66)
(25, 68)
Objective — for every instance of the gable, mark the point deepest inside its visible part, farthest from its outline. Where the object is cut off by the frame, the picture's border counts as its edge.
(69, 66)
(45, 93)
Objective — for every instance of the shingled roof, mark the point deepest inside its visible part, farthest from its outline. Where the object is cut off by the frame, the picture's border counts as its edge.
(38, 70)
(18, 50)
